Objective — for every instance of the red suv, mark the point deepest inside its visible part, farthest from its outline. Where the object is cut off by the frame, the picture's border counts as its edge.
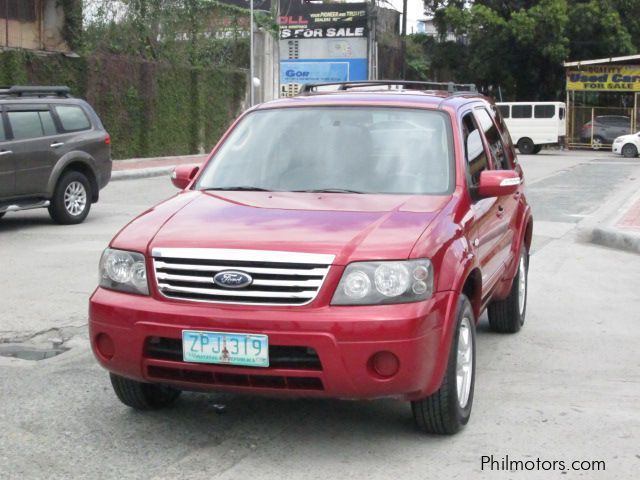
(337, 244)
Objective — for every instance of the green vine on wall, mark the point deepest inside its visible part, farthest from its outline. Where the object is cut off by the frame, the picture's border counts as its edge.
(72, 27)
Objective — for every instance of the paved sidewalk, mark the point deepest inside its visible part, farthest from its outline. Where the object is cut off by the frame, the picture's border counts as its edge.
(151, 167)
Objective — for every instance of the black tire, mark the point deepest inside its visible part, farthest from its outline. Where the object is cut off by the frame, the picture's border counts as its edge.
(143, 396)
(630, 150)
(507, 316)
(442, 412)
(2, 214)
(597, 142)
(526, 146)
(76, 187)
(537, 149)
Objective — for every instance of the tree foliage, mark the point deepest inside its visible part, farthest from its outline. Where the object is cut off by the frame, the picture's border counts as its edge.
(516, 47)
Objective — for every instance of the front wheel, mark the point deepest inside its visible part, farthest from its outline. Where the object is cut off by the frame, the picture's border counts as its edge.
(449, 408)
(630, 151)
(143, 396)
(537, 149)
(597, 142)
(507, 316)
(71, 200)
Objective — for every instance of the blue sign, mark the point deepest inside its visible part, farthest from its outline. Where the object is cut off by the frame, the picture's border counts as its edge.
(323, 71)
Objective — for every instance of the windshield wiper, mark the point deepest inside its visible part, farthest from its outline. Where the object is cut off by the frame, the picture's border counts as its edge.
(329, 190)
(245, 188)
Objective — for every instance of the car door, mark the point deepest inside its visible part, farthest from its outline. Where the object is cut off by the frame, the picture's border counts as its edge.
(485, 232)
(7, 167)
(34, 146)
(507, 205)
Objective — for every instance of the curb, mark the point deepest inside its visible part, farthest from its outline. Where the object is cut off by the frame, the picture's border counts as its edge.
(616, 238)
(141, 173)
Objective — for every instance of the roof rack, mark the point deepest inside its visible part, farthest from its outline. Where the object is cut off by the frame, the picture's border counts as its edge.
(449, 87)
(35, 91)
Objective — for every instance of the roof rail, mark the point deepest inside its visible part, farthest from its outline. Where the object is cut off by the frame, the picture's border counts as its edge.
(449, 87)
(35, 91)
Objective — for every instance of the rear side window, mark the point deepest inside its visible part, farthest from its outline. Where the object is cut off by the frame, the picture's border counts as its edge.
(521, 111)
(544, 111)
(3, 136)
(561, 113)
(504, 110)
(31, 124)
(73, 118)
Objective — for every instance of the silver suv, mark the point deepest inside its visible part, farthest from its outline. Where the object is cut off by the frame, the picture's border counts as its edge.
(54, 152)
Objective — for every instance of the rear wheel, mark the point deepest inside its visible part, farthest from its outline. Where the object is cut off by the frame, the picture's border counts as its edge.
(630, 150)
(526, 146)
(597, 142)
(71, 200)
(507, 316)
(537, 149)
(143, 396)
(449, 408)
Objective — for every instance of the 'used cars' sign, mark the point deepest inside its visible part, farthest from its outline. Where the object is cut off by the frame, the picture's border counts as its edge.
(624, 78)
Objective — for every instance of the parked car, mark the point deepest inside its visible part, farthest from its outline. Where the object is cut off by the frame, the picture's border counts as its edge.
(627, 145)
(535, 124)
(605, 129)
(54, 153)
(339, 244)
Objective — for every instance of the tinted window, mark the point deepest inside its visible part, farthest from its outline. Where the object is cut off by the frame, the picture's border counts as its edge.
(73, 118)
(544, 111)
(474, 150)
(363, 149)
(561, 113)
(3, 135)
(31, 124)
(521, 111)
(504, 110)
(494, 140)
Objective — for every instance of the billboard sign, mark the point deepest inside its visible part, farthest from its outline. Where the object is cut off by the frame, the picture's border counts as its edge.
(323, 71)
(605, 78)
(299, 19)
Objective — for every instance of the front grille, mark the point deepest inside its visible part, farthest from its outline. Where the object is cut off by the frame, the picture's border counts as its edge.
(236, 380)
(279, 278)
(280, 356)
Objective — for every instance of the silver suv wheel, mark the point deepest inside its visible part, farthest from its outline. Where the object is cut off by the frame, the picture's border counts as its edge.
(75, 198)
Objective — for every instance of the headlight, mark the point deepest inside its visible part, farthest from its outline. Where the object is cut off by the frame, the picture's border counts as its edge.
(618, 140)
(372, 283)
(124, 271)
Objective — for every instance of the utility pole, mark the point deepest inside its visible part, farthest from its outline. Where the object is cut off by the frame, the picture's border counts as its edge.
(404, 40)
(251, 66)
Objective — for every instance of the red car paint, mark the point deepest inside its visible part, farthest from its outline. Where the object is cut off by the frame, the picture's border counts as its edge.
(469, 241)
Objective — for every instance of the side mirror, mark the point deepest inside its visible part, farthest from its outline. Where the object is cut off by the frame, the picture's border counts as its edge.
(496, 183)
(183, 174)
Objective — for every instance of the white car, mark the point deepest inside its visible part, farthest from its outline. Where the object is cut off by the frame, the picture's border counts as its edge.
(627, 145)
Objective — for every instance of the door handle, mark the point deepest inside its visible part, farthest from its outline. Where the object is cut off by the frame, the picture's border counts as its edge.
(56, 144)
(5, 152)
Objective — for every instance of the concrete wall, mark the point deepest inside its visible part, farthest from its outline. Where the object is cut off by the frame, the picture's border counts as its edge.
(266, 66)
(40, 30)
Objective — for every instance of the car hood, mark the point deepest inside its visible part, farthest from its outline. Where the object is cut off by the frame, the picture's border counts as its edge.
(633, 137)
(350, 226)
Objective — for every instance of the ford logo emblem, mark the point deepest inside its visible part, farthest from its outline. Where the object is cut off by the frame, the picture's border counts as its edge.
(232, 279)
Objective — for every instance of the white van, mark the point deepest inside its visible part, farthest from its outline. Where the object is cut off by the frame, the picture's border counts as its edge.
(534, 124)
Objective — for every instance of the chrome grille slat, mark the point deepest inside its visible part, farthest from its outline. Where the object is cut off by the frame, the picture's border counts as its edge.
(279, 278)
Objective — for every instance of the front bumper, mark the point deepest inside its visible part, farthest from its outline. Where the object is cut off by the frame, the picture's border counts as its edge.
(617, 147)
(344, 338)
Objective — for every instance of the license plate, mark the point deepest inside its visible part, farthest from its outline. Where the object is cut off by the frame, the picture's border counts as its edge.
(225, 348)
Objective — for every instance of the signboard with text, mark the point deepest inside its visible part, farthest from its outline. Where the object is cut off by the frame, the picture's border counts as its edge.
(605, 78)
(299, 19)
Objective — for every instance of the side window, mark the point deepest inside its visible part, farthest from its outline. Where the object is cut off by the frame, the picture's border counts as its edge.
(73, 118)
(544, 111)
(474, 150)
(561, 112)
(3, 135)
(521, 111)
(494, 140)
(32, 124)
(504, 110)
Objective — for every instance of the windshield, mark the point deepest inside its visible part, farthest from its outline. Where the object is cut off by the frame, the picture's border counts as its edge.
(336, 149)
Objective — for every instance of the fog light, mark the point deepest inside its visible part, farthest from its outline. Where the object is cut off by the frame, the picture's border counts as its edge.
(105, 346)
(385, 364)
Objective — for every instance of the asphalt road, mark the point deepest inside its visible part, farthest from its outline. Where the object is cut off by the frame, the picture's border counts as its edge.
(565, 388)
